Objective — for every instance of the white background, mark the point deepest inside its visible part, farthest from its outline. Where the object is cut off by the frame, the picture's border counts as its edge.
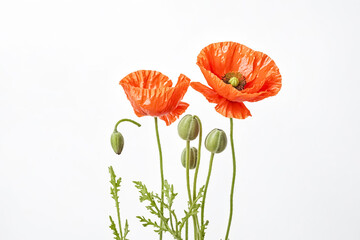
(298, 156)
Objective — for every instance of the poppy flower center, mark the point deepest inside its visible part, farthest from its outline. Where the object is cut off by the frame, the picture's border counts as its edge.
(236, 79)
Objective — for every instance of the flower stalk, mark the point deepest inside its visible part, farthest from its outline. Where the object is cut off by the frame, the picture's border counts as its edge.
(188, 173)
(233, 178)
(196, 220)
(206, 187)
(126, 120)
(161, 174)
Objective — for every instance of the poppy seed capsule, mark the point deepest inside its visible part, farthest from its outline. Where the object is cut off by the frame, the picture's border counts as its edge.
(193, 158)
(117, 142)
(216, 141)
(188, 127)
(234, 81)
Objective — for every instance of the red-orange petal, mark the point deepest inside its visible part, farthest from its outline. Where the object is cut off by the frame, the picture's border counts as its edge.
(181, 88)
(152, 102)
(171, 117)
(233, 109)
(261, 73)
(208, 93)
(148, 79)
(150, 94)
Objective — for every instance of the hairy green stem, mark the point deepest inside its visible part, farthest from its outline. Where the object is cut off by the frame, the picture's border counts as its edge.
(119, 220)
(115, 196)
(196, 220)
(188, 170)
(206, 187)
(198, 159)
(161, 173)
(126, 120)
(188, 182)
(233, 178)
(176, 221)
(171, 221)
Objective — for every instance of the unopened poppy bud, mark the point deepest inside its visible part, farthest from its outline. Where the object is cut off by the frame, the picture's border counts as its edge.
(117, 142)
(234, 81)
(216, 141)
(192, 159)
(188, 127)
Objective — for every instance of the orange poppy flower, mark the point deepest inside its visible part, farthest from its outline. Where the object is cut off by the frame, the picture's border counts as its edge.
(151, 94)
(236, 74)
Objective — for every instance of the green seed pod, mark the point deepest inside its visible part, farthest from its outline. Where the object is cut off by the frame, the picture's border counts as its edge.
(117, 142)
(188, 127)
(193, 158)
(216, 141)
(234, 81)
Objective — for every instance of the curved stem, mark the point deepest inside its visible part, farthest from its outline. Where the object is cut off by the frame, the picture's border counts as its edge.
(161, 173)
(206, 187)
(196, 220)
(198, 159)
(188, 170)
(233, 178)
(126, 120)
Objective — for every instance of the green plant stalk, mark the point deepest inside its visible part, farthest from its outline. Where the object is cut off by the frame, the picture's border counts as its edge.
(126, 120)
(206, 187)
(171, 220)
(198, 159)
(116, 187)
(161, 173)
(176, 221)
(188, 181)
(233, 178)
(117, 197)
(188, 170)
(118, 215)
(196, 172)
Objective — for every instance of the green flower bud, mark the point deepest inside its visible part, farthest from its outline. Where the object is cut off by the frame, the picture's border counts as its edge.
(193, 158)
(117, 142)
(216, 141)
(188, 127)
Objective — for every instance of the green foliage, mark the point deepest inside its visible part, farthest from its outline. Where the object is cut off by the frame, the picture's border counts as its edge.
(171, 224)
(114, 191)
(203, 228)
(126, 229)
(113, 227)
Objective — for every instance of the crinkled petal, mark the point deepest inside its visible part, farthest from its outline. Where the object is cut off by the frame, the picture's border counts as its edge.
(223, 57)
(233, 109)
(262, 75)
(150, 94)
(147, 79)
(171, 117)
(271, 87)
(153, 102)
(181, 88)
(208, 93)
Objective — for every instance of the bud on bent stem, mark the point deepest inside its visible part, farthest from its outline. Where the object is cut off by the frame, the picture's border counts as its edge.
(117, 142)
(117, 139)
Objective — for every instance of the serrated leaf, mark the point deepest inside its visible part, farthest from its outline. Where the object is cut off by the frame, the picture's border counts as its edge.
(113, 228)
